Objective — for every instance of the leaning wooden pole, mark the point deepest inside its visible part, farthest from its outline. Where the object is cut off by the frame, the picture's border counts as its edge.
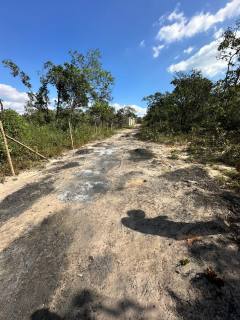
(70, 131)
(30, 149)
(7, 149)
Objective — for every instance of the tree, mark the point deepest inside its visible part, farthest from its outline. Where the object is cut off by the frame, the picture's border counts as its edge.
(229, 51)
(38, 100)
(228, 90)
(102, 113)
(100, 81)
(191, 95)
(79, 81)
(123, 114)
(162, 112)
(15, 71)
(1, 105)
(184, 108)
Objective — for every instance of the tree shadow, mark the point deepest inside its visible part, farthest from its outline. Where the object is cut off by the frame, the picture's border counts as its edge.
(19, 201)
(141, 154)
(65, 166)
(88, 305)
(45, 314)
(192, 175)
(32, 267)
(163, 227)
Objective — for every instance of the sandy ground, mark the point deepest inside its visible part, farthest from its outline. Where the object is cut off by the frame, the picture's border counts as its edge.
(117, 230)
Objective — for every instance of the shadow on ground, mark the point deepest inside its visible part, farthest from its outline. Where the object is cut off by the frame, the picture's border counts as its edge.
(32, 265)
(163, 227)
(207, 298)
(141, 154)
(65, 166)
(89, 305)
(19, 201)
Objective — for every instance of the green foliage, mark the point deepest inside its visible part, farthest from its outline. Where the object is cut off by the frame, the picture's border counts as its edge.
(206, 113)
(16, 72)
(123, 114)
(79, 83)
(48, 139)
(184, 108)
(101, 113)
(14, 124)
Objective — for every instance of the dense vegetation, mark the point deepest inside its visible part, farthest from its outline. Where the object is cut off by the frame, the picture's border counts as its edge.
(200, 111)
(83, 94)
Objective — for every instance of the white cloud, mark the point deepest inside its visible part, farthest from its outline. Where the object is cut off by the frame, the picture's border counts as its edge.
(140, 110)
(142, 44)
(12, 98)
(156, 50)
(205, 60)
(218, 33)
(188, 50)
(182, 27)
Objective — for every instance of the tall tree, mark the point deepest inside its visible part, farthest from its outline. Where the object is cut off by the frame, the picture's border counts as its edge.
(229, 51)
(100, 81)
(191, 94)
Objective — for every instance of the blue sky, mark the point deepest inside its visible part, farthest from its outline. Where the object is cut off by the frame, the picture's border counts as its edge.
(143, 42)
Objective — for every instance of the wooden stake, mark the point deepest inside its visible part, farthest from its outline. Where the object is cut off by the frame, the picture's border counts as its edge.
(7, 150)
(23, 145)
(70, 131)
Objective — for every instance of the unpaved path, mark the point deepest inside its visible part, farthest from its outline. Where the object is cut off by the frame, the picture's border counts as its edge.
(100, 233)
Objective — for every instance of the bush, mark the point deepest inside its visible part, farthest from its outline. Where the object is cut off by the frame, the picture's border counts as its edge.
(49, 140)
(14, 126)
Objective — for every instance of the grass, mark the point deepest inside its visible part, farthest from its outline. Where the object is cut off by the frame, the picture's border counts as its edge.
(158, 137)
(230, 179)
(174, 155)
(49, 141)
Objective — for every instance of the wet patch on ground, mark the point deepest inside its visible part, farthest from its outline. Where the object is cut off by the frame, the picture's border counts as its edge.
(19, 201)
(30, 268)
(141, 154)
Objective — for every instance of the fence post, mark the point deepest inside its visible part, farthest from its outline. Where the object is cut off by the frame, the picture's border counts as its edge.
(7, 150)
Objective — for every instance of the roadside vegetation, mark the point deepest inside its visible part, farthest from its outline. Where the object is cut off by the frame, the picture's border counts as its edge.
(202, 114)
(83, 94)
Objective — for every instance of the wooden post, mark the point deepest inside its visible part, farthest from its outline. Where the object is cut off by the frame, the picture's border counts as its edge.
(7, 150)
(23, 145)
(70, 130)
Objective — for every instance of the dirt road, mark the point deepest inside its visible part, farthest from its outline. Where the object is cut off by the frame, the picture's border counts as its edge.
(117, 230)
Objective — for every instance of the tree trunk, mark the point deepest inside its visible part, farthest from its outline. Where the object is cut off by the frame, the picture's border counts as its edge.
(1, 105)
(58, 105)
